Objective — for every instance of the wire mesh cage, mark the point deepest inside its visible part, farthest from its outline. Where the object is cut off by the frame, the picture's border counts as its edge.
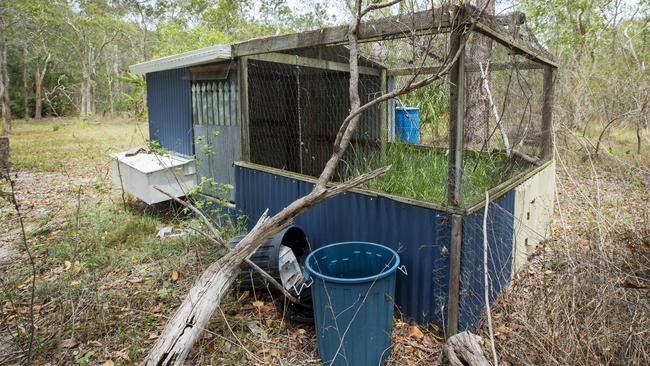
(299, 99)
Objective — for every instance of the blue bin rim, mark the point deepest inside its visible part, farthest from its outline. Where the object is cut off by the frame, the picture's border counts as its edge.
(408, 108)
(379, 276)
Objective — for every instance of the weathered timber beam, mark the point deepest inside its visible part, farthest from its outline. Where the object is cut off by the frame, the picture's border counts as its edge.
(455, 173)
(547, 113)
(284, 58)
(243, 108)
(517, 44)
(436, 20)
(494, 66)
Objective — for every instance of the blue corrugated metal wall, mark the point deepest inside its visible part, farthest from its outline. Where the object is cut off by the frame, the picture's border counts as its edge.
(418, 234)
(500, 241)
(170, 110)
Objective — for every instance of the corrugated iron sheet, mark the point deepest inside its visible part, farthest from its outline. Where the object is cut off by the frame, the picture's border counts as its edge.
(420, 235)
(217, 133)
(170, 110)
(500, 242)
(417, 233)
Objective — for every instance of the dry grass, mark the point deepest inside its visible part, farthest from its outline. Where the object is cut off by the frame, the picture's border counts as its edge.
(584, 298)
(77, 147)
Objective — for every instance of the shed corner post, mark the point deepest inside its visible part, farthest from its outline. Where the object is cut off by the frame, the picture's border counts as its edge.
(243, 91)
(455, 170)
(547, 112)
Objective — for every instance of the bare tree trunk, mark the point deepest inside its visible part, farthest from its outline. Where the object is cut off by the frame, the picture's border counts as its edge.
(38, 103)
(478, 109)
(85, 89)
(4, 75)
(25, 86)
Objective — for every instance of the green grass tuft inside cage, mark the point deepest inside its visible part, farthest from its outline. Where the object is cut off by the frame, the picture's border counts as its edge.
(420, 172)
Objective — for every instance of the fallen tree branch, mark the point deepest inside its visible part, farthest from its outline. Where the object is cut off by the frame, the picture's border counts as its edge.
(213, 230)
(525, 157)
(187, 323)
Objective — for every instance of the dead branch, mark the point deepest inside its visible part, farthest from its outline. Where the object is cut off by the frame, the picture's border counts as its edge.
(213, 230)
(525, 157)
(486, 284)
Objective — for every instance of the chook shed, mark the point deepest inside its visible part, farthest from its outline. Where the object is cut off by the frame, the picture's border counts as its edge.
(262, 116)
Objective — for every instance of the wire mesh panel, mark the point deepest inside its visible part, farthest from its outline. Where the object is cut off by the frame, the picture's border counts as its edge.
(504, 100)
(295, 113)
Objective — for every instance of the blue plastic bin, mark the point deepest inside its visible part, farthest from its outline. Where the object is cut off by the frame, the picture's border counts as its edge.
(407, 124)
(352, 293)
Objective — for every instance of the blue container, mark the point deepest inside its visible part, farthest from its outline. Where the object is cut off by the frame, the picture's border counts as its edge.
(407, 124)
(353, 295)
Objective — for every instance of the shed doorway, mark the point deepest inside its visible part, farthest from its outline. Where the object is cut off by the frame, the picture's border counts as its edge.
(215, 120)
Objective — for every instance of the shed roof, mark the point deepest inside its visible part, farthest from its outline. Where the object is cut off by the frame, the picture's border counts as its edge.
(436, 20)
(220, 52)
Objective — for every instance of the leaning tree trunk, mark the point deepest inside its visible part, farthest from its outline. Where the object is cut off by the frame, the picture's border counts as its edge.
(476, 131)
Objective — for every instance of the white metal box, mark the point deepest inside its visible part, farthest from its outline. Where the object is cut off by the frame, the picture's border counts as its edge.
(140, 173)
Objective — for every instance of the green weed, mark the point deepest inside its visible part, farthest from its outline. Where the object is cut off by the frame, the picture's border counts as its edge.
(421, 172)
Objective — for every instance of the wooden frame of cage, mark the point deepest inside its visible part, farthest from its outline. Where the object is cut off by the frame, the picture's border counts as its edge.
(443, 19)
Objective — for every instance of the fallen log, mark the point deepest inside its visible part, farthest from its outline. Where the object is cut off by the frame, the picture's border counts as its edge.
(463, 349)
